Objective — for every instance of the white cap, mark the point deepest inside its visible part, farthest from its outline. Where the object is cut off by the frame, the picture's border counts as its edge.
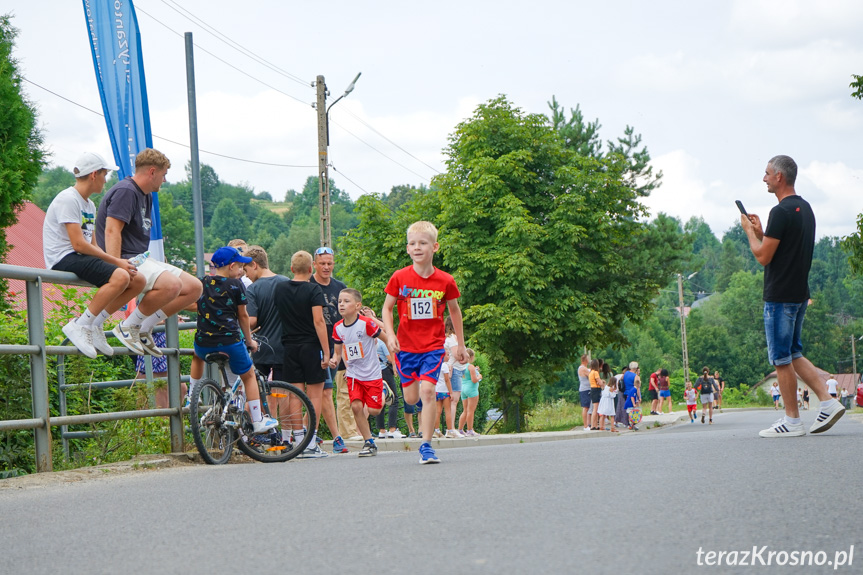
(89, 163)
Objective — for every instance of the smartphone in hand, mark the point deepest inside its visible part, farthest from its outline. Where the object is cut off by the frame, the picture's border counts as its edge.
(741, 208)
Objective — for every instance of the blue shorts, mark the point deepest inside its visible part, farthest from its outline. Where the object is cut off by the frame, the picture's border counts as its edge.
(664, 393)
(441, 396)
(419, 366)
(584, 398)
(240, 361)
(776, 397)
(456, 378)
(783, 325)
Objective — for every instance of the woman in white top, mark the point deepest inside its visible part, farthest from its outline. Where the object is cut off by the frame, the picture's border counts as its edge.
(774, 391)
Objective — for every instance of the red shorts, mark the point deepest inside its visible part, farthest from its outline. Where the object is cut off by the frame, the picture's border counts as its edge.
(371, 393)
(691, 408)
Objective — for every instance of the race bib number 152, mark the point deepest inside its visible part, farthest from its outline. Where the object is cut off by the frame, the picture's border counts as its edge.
(422, 308)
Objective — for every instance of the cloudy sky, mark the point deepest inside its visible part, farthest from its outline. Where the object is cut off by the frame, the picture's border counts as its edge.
(715, 88)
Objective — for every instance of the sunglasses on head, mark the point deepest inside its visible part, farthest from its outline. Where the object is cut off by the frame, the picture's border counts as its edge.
(324, 250)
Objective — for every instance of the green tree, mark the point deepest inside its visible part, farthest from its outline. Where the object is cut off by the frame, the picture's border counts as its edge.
(228, 223)
(857, 84)
(21, 154)
(51, 182)
(266, 228)
(178, 231)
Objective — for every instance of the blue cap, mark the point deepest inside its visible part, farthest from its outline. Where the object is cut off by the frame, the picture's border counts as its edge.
(226, 256)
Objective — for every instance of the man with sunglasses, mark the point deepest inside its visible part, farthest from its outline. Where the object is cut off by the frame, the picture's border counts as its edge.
(324, 262)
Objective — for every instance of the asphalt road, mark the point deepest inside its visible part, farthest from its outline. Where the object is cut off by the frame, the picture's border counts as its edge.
(642, 503)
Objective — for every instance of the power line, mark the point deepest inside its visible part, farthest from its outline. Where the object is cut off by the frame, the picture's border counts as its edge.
(396, 162)
(348, 179)
(232, 43)
(166, 139)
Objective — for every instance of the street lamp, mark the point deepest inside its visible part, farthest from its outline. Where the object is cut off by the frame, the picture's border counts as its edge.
(683, 325)
(323, 143)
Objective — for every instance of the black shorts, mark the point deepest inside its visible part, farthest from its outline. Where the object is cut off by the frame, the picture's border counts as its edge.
(275, 368)
(595, 394)
(303, 363)
(651, 394)
(88, 268)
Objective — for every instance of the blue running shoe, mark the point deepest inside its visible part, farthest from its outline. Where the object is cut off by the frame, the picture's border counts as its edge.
(339, 445)
(427, 454)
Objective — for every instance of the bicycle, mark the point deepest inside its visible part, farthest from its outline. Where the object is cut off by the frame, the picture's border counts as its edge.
(219, 420)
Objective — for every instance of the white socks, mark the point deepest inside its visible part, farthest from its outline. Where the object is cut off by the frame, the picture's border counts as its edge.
(255, 410)
(151, 320)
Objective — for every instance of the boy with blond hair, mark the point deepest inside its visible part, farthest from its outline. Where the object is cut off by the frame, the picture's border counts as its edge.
(420, 292)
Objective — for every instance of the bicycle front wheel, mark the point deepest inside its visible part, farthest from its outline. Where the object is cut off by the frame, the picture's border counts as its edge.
(293, 409)
(214, 437)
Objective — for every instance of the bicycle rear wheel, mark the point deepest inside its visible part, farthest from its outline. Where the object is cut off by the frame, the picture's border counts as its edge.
(213, 438)
(293, 409)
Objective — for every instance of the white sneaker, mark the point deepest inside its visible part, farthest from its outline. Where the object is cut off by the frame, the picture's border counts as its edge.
(149, 344)
(99, 341)
(783, 429)
(397, 434)
(81, 337)
(355, 438)
(452, 434)
(265, 425)
(827, 417)
(437, 433)
(128, 336)
(313, 453)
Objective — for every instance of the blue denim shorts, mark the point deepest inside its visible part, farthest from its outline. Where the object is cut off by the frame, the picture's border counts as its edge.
(455, 379)
(783, 324)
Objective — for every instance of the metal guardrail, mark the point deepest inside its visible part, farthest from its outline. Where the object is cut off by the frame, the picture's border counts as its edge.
(38, 351)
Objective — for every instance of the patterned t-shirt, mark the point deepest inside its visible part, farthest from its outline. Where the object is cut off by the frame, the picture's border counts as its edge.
(359, 351)
(217, 311)
(421, 303)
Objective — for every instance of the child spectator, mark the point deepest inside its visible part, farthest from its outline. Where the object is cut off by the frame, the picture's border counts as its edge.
(305, 341)
(469, 396)
(355, 337)
(456, 372)
(443, 394)
(69, 245)
(774, 391)
(223, 326)
(606, 404)
(691, 407)
(421, 293)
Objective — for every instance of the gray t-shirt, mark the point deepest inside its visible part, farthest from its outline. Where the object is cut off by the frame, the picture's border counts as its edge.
(584, 381)
(127, 203)
(68, 207)
(261, 304)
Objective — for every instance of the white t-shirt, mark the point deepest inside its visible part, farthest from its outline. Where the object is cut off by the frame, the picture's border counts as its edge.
(451, 343)
(831, 385)
(774, 390)
(689, 394)
(68, 207)
(440, 386)
(360, 348)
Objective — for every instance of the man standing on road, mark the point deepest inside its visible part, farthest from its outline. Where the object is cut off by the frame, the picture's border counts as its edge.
(123, 231)
(584, 390)
(785, 250)
(263, 315)
(324, 262)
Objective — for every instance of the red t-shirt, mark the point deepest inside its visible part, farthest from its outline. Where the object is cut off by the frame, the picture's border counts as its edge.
(420, 303)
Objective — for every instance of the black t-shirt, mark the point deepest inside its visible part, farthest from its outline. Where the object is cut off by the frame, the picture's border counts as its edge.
(217, 311)
(127, 203)
(331, 307)
(786, 277)
(262, 305)
(294, 302)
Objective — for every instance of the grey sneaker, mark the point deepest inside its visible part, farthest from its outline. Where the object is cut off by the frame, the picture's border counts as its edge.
(129, 337)
(100, 342)
(81, 337)
(369, 449)
(149, 344)
(313, 453)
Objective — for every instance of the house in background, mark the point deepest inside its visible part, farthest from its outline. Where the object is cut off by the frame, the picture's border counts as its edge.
(847, 380)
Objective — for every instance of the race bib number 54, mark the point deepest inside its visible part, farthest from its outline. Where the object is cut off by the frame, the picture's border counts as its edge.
(422, 308)
(354, 351)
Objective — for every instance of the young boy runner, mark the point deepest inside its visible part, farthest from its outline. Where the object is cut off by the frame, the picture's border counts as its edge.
(355, 338)
(68, 245)
(223, 326)
(421, 293)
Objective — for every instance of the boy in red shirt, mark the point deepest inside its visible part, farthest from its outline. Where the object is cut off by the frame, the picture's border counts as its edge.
(421, 293)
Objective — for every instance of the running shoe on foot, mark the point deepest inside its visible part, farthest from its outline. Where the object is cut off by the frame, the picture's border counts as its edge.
(412, 435)
(339, 445)
(99, 341)
(783, 429)
(427, 454)
(702, 418)
(369, 449)
(149, 344)
(827, 417)
(313, 453)
(395, 434)
(437, 433)
(129, 336)
(264, 425)
(81, 337)
(452, 434)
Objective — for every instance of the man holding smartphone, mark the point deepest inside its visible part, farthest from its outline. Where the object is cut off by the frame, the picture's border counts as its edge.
(785, 250)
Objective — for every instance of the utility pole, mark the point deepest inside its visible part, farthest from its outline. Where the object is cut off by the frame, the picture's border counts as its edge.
(323, 169)
(683, 329)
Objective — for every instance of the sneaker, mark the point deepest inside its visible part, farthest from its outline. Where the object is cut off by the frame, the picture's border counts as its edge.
(382, 434)
(318, 440)
(99, 341)
(81, 337)
(783, 429)
(149, 344)
(369, 449)
(827, 417)
(437, 433)
(396, 434)
(702, 418)
(355, 438)
(313, 453)
(427, 454)
(452, 434)
(339, 445)
(587, 428)
(129, 337)
(264, 425)
(388, 395)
